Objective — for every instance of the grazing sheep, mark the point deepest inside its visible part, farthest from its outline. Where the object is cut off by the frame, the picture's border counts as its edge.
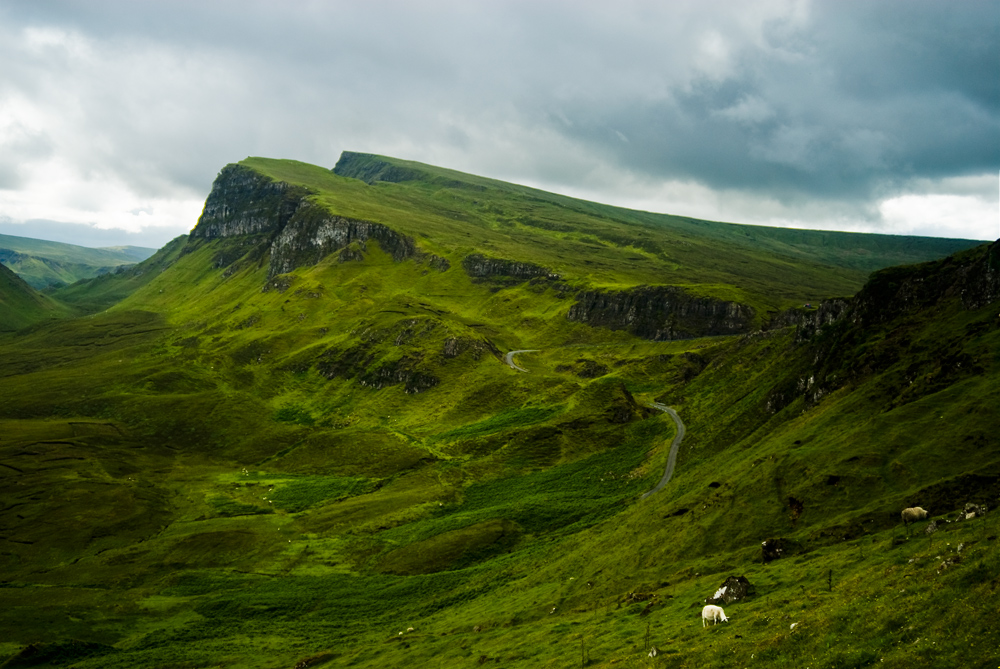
(913, 514)
(713, 613)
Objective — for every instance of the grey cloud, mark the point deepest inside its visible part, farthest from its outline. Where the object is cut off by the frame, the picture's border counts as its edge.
(839, 100)
(20, 146)
(875, 93)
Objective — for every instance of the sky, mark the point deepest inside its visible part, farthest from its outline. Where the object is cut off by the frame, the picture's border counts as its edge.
(872, 116)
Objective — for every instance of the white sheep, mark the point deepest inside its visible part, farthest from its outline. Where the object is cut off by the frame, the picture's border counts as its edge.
(713, 613)
(913, 514)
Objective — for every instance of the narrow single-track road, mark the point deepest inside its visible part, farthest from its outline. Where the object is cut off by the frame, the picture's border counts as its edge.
(509, 358)
(674, 447)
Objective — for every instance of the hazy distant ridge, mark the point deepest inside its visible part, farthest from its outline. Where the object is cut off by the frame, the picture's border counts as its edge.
(44, 263)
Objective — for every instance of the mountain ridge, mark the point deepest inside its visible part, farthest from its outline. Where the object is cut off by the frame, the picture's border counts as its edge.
(44, 264)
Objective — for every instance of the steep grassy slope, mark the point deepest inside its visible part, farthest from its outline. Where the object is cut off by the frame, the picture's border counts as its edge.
(43, 263)
(242, 466)
(21, 305)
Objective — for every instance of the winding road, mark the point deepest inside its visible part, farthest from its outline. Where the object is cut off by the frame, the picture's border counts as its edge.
(674, 446)
(509, 358)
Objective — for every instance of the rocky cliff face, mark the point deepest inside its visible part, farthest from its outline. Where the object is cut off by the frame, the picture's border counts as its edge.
(370, 169)
(274, 216)
(661, 313)
(971, 276)
(312, 233)
(809, 322)
(479, 266)
(243, 202)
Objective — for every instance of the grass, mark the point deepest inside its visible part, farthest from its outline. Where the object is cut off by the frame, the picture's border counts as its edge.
(22, 306)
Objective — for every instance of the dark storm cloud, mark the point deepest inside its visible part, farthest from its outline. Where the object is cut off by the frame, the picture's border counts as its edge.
(862, 97)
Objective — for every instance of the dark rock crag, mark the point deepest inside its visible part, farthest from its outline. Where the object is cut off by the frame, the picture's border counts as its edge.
(733, 589)
(257, 212)
(661, 313)
(372, 169)
(313, 233)
(836, 337)
(972, 276)
(243, 202)
(481, 267)
(808, 322)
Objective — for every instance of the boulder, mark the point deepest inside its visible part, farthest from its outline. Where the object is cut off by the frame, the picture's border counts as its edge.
(733, 589)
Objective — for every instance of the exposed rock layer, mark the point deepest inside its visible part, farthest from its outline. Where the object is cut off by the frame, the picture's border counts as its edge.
(661, 313)
(371, 169)
(479, 266)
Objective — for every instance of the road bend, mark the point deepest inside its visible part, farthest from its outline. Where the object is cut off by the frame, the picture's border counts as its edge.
(509, 358)
(674, 447)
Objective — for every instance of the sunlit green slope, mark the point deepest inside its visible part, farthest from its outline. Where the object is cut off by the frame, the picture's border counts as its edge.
(858, 251)
(454, 214)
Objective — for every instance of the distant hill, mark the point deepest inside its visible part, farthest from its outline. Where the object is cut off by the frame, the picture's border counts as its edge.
(44, 263)
(21, 305)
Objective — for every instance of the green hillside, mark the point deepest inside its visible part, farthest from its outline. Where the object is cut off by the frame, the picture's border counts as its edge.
(21, 305)
(43, 263)
(857, 251)
(295, 436)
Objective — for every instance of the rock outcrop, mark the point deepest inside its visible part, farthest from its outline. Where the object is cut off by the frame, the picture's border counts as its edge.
(661, 313)
(244, 202)
(312, 233)
(807, 321)
(479, 266)
(264, 214)
(733, 589)
(838, 335)
(371, 169)
(972, 276)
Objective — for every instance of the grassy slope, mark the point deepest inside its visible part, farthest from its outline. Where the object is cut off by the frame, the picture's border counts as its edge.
(184, 487)
(42, 263)
(100, 292)
(21, 305)
(860, 251)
